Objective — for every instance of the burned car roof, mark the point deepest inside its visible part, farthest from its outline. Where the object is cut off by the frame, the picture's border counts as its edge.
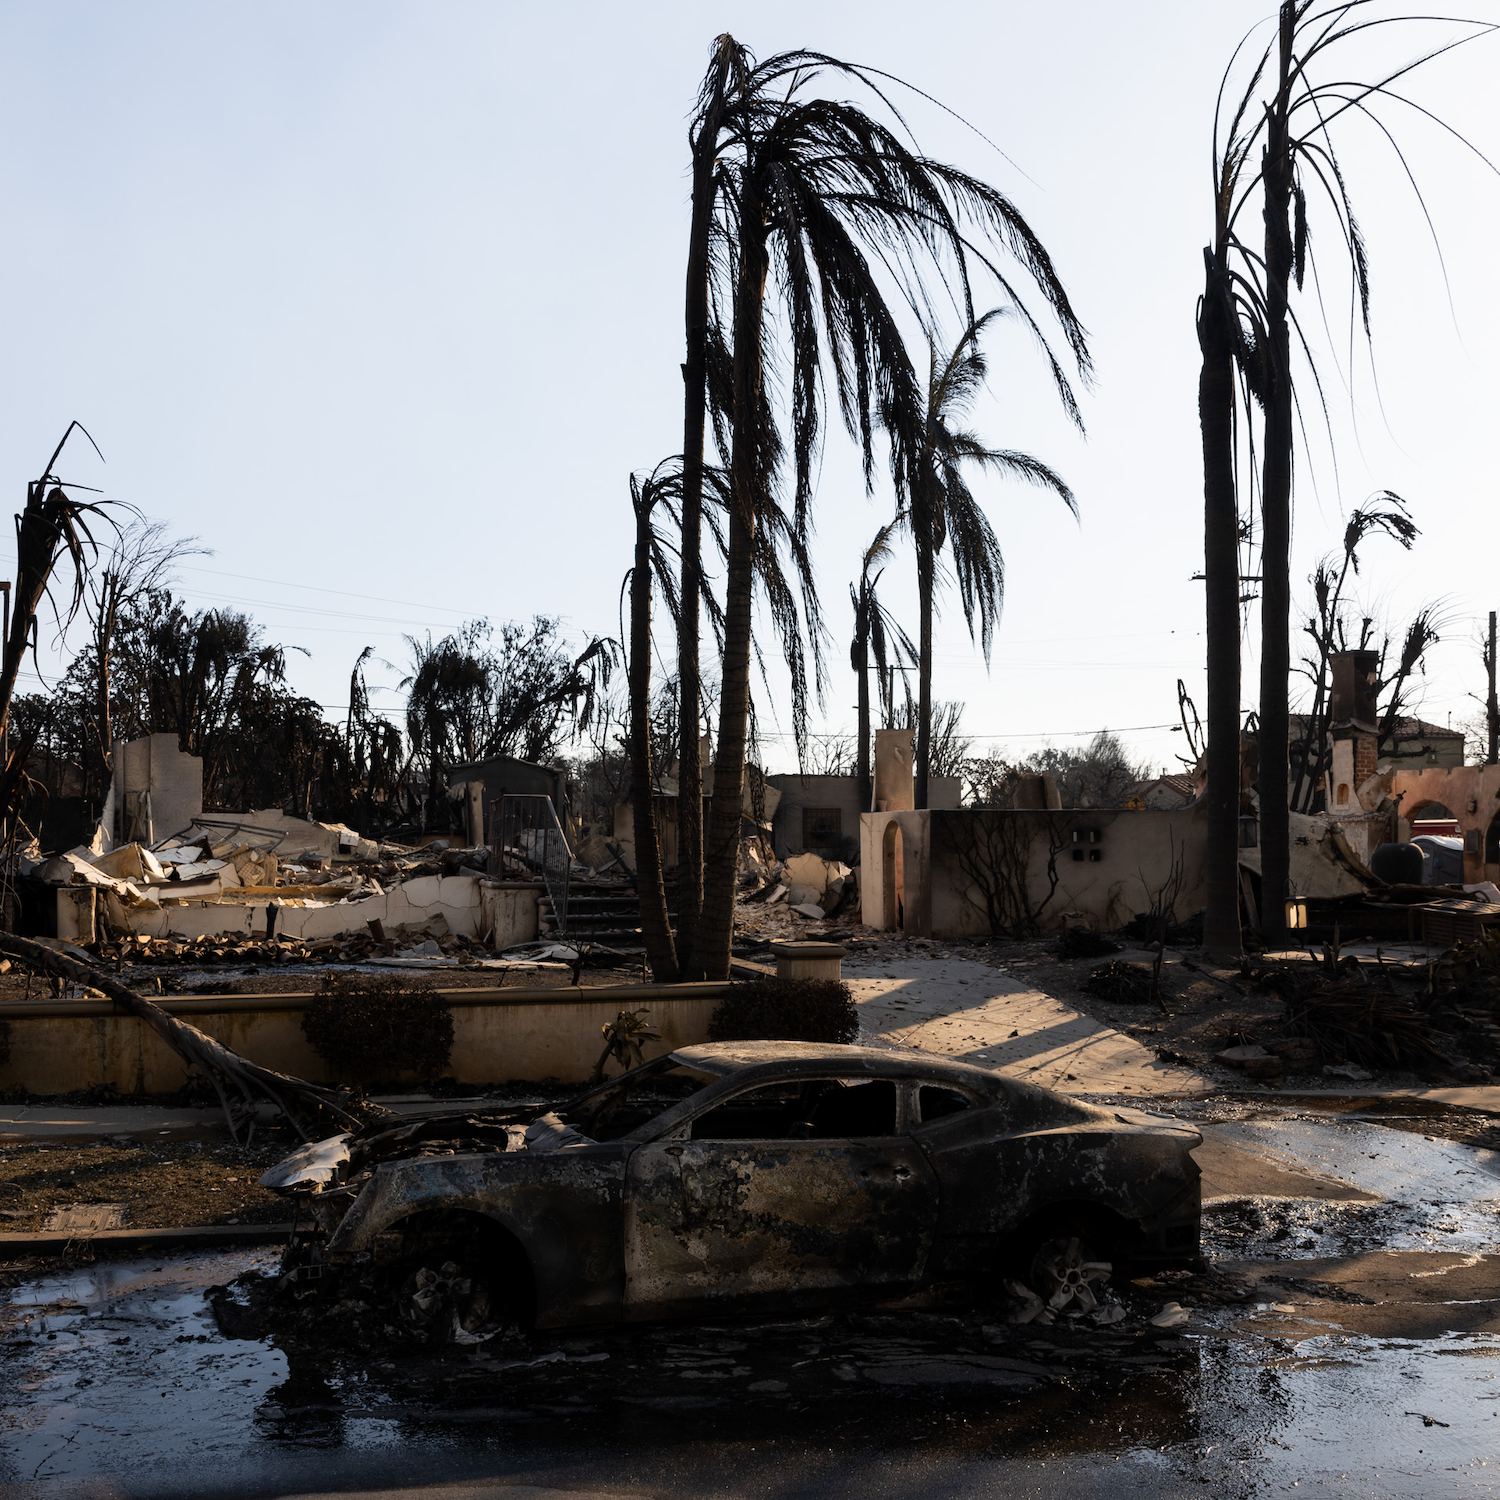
(721, 1059)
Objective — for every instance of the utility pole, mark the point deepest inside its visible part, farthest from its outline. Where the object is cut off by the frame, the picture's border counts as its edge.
(1491, 705)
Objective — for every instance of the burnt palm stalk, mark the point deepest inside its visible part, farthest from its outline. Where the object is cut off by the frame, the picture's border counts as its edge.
(1221, 572)
(746, 483)
(656, 926)
(1276, 501)
(704, 140)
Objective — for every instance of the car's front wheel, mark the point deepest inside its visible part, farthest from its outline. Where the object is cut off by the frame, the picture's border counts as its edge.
(445, 1301)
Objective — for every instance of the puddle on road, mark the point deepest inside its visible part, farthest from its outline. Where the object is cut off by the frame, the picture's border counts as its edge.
(119, 1370)
(124, 1357)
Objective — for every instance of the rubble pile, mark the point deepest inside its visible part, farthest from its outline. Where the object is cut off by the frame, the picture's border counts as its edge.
(246, 864)
(137, 949)
(806, 884)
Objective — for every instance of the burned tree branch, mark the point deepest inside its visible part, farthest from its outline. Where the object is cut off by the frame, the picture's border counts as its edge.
(238, 1082)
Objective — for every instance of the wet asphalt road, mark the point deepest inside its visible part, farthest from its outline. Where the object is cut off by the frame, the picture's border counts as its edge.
(1360, 1360)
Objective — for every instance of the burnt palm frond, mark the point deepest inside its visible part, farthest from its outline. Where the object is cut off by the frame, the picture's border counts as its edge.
(53, 529)
(944, 515)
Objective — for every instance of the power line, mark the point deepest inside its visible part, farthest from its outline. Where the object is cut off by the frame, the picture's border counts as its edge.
(1041, 734)
(321, 589)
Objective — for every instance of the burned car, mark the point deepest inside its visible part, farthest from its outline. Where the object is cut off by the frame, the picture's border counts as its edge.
(744, 1177)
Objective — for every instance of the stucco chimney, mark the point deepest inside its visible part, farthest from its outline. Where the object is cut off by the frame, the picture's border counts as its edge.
(1352, 699)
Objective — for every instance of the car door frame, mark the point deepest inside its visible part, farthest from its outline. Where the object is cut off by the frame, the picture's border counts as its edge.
(670, 1235)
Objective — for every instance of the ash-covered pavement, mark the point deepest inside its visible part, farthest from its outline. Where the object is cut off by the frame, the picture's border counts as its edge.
(1346, 1340)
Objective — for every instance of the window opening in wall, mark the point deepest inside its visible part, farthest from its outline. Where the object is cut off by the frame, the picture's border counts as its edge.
(822, 826)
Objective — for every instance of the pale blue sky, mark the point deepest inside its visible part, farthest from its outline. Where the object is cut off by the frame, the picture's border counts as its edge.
(383, 302)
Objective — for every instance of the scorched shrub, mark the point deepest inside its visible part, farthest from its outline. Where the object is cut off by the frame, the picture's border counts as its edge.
(370, 1028)
(785, 1010)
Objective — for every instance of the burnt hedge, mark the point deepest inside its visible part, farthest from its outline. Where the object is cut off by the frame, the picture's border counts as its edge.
(785, 1010)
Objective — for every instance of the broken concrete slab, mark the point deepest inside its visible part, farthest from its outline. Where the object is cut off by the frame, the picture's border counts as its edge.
(86, 1218)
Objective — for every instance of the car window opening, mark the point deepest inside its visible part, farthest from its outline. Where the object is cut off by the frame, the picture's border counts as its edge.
(934, 1103)
(804, 1110)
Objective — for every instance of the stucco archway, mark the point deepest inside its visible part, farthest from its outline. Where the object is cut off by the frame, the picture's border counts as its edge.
(893, 877)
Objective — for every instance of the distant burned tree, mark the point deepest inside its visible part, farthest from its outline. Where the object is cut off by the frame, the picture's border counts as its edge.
(139, 565)
(470, 697)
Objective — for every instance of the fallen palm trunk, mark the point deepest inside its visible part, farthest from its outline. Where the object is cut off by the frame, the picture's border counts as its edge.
(240, 1084)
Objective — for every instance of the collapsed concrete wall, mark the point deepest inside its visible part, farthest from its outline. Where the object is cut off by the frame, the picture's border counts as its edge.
(469, 906)
(978, 871)
(156, 790)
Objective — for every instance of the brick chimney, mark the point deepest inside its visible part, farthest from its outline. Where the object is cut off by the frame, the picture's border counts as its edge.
(1353, 728)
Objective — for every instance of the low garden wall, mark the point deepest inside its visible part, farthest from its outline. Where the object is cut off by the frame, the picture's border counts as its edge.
(57, 1046)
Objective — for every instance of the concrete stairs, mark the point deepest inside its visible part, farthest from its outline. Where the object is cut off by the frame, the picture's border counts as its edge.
(609, 915)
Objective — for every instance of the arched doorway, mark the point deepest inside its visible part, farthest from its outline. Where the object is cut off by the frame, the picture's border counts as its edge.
(893, 877)
(1492, 848)
(1433, 818)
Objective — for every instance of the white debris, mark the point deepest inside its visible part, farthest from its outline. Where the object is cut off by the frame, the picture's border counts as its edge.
(310, 1166)
(548, 1133)
(1172, 1315)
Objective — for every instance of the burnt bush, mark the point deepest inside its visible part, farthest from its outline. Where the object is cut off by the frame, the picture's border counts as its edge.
(785, 1010)
(1125, 983)
(1366, 1023)
(370, 1028)
(1084, 942)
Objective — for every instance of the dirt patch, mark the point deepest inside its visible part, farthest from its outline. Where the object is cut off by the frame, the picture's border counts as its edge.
(172, 1185)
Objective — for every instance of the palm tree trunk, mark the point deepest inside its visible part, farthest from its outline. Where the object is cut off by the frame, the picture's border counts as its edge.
(1221, 571)
(689, 669)
(862, 674)
(1276, 518)
(721, 861)
(656, 925)
(925, 562)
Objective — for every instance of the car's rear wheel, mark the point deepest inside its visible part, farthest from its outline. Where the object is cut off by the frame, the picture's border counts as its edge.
(1068, 1275)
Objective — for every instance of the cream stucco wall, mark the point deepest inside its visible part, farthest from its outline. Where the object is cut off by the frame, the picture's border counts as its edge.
(60, 1046)
(1135, 853)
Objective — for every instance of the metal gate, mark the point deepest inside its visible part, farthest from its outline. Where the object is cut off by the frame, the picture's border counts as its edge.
(530, 834)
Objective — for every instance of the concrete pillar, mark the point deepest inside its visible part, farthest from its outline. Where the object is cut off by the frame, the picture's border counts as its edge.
(895, 789)
(475, 790)
(808, 960)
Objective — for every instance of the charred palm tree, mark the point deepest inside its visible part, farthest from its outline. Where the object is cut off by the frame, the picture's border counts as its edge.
(840, 209)
(879, 641)
(650, 884)
(726, 75)
(1246, 318)
(53, 527)
(1229, 331)
(944, 512)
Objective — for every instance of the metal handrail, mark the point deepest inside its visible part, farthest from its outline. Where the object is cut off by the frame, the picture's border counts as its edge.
(531, 834)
